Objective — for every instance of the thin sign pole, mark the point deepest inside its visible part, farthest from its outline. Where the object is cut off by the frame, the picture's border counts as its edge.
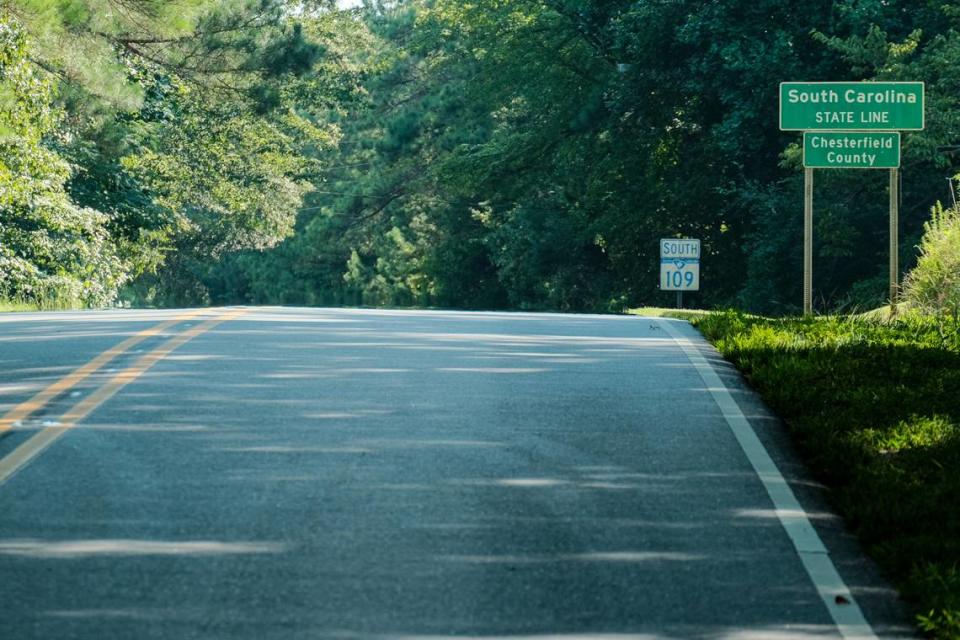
(807, 242)
(894, 242)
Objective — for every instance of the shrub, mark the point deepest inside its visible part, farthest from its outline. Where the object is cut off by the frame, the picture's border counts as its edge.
(933, 287)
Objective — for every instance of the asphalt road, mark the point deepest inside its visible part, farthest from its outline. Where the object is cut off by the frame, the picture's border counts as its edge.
(291, 473)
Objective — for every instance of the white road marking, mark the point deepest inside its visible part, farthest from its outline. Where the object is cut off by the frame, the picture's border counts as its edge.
(813, 554)
(119, 548)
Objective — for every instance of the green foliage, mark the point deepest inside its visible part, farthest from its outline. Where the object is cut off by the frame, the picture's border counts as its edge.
(942, 585)
(243, 43)
(153, 140)
(873, 407)
(933, 285)
(50, 249)
(9, 305)
(488, 154)
(230, 176)
(531, 153)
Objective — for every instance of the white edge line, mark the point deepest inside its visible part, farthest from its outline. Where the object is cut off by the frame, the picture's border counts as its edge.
(813, 554)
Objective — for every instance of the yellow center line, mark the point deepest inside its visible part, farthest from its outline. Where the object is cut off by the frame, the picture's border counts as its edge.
(28, 407)
(19, 457)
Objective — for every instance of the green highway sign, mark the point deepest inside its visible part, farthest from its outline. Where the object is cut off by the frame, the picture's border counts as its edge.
(851, 106)
(851, 150)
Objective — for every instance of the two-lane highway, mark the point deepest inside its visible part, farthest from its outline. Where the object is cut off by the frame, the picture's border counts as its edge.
(272, 473)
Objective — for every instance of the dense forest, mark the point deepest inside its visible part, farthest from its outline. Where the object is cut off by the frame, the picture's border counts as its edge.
(522, 154)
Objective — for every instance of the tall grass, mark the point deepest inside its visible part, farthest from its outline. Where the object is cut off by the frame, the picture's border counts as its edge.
(45, 304)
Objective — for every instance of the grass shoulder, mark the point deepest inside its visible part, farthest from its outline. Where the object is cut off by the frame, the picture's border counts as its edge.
(45, 304)
(664, 312)
(874, 404)
(7, 306)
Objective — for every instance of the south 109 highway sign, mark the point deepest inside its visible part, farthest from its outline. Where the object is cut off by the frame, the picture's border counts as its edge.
(679, 264)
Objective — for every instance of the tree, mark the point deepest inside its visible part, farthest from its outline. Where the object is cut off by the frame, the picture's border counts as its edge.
(192, 126)
(51, 250)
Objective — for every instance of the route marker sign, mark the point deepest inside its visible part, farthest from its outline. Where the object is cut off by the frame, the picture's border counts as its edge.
(851, 106)
(679, 264)
(851, 150)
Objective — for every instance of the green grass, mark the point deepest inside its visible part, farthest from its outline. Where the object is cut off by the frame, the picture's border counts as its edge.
(874, 404)
(47, 304)
(7, 305)
(663, 312)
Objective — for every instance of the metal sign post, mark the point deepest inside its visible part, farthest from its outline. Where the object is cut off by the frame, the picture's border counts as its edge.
(894, 243)
(807, 241)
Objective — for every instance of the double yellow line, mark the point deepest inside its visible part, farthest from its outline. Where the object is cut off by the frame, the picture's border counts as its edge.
(19, 457)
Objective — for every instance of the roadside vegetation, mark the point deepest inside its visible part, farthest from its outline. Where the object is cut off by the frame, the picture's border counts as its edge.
(666, 312)
(7, 305)
(875, 408)
(874, 404)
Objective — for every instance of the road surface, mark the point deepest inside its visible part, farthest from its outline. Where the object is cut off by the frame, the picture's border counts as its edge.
(270, 473)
